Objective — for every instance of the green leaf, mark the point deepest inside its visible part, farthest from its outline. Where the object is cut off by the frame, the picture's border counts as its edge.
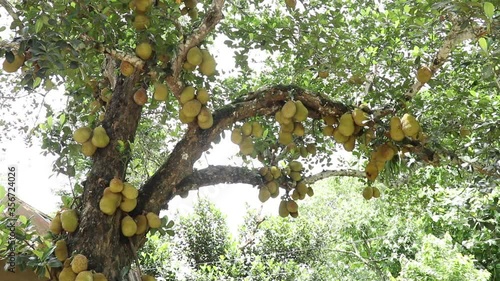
(489, 9)
(483, 44)
(170, 232)
(38, 25)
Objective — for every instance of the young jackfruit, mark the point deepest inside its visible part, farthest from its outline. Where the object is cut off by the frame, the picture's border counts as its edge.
(144, 50)
(410, 125)
(283, 210)
(127, 205)
(107, 205)
(79, 263)
(160, 91)
(301, 113)
(55, 225)
(67, 274)
(99, 277)
(187, 94)
(346, 124)
(153, 220)
(236, 136)
(424, 74)
(359, 116)
(128, 226)
(142, 224)
(85, 276)
(100, 138)
(191, 108)
(82, 134)
(264, 194)
(194, 56)
(288, 110)
(203, 96)
(368, 192)
(61, 250)
(129, 191)
(208, 64)
(395, 129)
(69, 220)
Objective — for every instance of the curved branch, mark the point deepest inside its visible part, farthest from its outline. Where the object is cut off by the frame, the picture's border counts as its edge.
(212, 18)
(456, 36)
(335, 173)
(213, 175)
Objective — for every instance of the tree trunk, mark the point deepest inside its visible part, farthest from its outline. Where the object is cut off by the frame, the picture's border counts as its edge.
(98, 236)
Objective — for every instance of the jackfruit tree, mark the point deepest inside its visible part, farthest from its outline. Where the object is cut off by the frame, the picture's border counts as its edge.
(146, 88)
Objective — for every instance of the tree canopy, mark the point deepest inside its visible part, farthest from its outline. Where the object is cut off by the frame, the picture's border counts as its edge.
(409, 88)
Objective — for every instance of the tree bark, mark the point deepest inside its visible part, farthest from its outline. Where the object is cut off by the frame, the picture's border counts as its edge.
(98, 236)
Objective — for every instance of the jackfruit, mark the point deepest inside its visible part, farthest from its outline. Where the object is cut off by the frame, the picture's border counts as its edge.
(202, 96)
(84, 276)
(301, 187)
(126, 68)
(292, 206)
(272, 186)
(246, 129)
(144, 50)
(129, 191)
(187, 94)
(69, 220)
(359, 117)
(127, 205)
(100, 137)
(395, 129)
(141, 22)
(61, 250)
(107, 205)
(295, 176)
(153, 220)
(288, 110)
(350, 143)
(257, 130)
(115, 185)
(371, 171)
(140, 97)
(264, 194)
(328, 130)
(339, 137)
(160, 92)
(246, 146)
(368, 192)
(55, 225)
(295, 166)
(99, 277)
(301, 113)
(236, 136)
(82, 134)
(142, 224)
(116, 197)
(184, 119)
(142, 5)
(376, 192)
(191, 108)
(283, 210)
(13, 66)
(410, 125)
(275, 172)
(128, 226)
(285, 138)
(424, 74)
(207, 66)
(330, 120)
(194, 56)
(148, 278)
(346, 124)
(79, 263)
(67, 274)
(207, 123)
(298, 129)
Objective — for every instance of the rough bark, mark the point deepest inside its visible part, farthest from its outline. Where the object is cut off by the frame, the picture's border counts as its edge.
(98, 236)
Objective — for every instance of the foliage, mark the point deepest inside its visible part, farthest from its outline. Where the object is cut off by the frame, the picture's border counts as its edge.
(333, 57)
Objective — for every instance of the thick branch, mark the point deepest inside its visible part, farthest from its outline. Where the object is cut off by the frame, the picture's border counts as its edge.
(335, 173)
(213, 175)
(456, 36)
(212, 18)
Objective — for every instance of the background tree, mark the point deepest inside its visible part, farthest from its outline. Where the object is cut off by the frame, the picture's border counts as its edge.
(336, 59)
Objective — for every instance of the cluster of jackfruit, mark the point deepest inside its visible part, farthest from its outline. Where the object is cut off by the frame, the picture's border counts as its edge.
(194, 107)
(75, 268)
(406, 126)
(370, 192)
(243, 136)
(118, 194)
(271, 188)
(345, 129)
(288, 208)
(301, 190)
(294, 170)
(290, 119)
(302, 151)
(202, 59)
(14, 65)
(141, 8)
(378, 158)
(67, 220)
(91, 139)
(139, 224)
(190, 9)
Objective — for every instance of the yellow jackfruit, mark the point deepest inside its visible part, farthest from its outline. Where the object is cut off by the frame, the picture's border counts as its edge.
(346, 124)
(69, 220)
(128, 226)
